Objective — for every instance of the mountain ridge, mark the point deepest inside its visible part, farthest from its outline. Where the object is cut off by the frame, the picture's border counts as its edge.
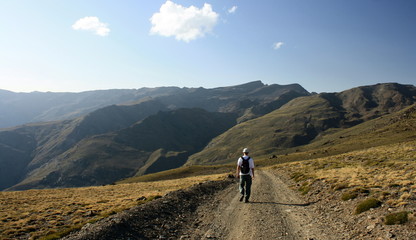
(24, 108)
(103, 146)
(304, 118)
(54, 140)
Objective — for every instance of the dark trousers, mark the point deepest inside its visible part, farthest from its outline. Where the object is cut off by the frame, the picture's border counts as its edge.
(245, 185)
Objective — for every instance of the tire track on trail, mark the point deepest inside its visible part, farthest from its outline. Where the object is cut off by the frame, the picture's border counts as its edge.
(275, 212)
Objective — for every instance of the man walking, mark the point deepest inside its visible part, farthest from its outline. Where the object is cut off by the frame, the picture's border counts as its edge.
(245, 171)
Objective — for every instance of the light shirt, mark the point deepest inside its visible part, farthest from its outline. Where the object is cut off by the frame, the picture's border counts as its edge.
(250, 164)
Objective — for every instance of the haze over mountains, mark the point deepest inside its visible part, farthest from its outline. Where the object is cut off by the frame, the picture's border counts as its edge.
(22, 108)
(92, 141)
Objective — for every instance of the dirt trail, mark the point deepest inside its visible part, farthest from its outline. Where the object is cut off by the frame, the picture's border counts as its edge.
(274, 212)
(213, 211)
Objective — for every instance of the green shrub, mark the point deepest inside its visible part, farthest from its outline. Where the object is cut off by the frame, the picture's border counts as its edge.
(349, 195)
(304, 189)
(367, 205)
(154, 197)
(352, 194)
(394, 185)
(396, 218)
(340, 186)
(362, 190)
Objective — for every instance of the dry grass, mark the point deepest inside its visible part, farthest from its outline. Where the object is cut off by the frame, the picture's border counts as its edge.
(33, 214)
(182, 172)
(388, 171)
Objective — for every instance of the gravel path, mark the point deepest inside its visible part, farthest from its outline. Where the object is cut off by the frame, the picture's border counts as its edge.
(212, 211)
(274, 212)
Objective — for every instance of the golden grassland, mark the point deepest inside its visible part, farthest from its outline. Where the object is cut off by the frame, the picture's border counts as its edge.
(387, 172)
(182, 172)
(34, 214)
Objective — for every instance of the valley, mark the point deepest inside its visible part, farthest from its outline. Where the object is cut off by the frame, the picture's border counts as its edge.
(183, 127)
(319, 157)
(293, 200)
(153, 131)
(314, 198)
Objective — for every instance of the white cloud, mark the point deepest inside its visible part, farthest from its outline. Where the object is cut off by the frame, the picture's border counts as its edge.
(232, 10)
(186, 24)
(277, 45)
(92, 24)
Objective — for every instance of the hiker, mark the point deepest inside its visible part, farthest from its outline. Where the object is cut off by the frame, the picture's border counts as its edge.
(245, 171)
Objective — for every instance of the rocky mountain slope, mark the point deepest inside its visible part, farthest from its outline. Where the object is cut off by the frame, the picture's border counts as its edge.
(304, 119)
(160, 142)
(55, 154)
(26, 148)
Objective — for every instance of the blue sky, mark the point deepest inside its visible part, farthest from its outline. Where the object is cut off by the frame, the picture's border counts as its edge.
(324, 45)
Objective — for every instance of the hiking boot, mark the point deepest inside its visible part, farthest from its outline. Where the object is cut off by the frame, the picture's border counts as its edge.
(246, 201)
(241, 198)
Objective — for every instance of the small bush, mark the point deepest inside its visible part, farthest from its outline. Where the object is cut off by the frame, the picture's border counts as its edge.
(352, 194)
(340, 186)
(367, 205)
(304, 189)
(362, 190)
(154, 197)
(349, 195)
(394, 185)
(397, 218)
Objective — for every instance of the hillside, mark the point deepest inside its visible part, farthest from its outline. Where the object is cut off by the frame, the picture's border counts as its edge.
(305, 119)
(26, 148)
(53, 213)
(316, 191)
(39, 147)
(395, 128)
(156, 134)
(160, 142)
